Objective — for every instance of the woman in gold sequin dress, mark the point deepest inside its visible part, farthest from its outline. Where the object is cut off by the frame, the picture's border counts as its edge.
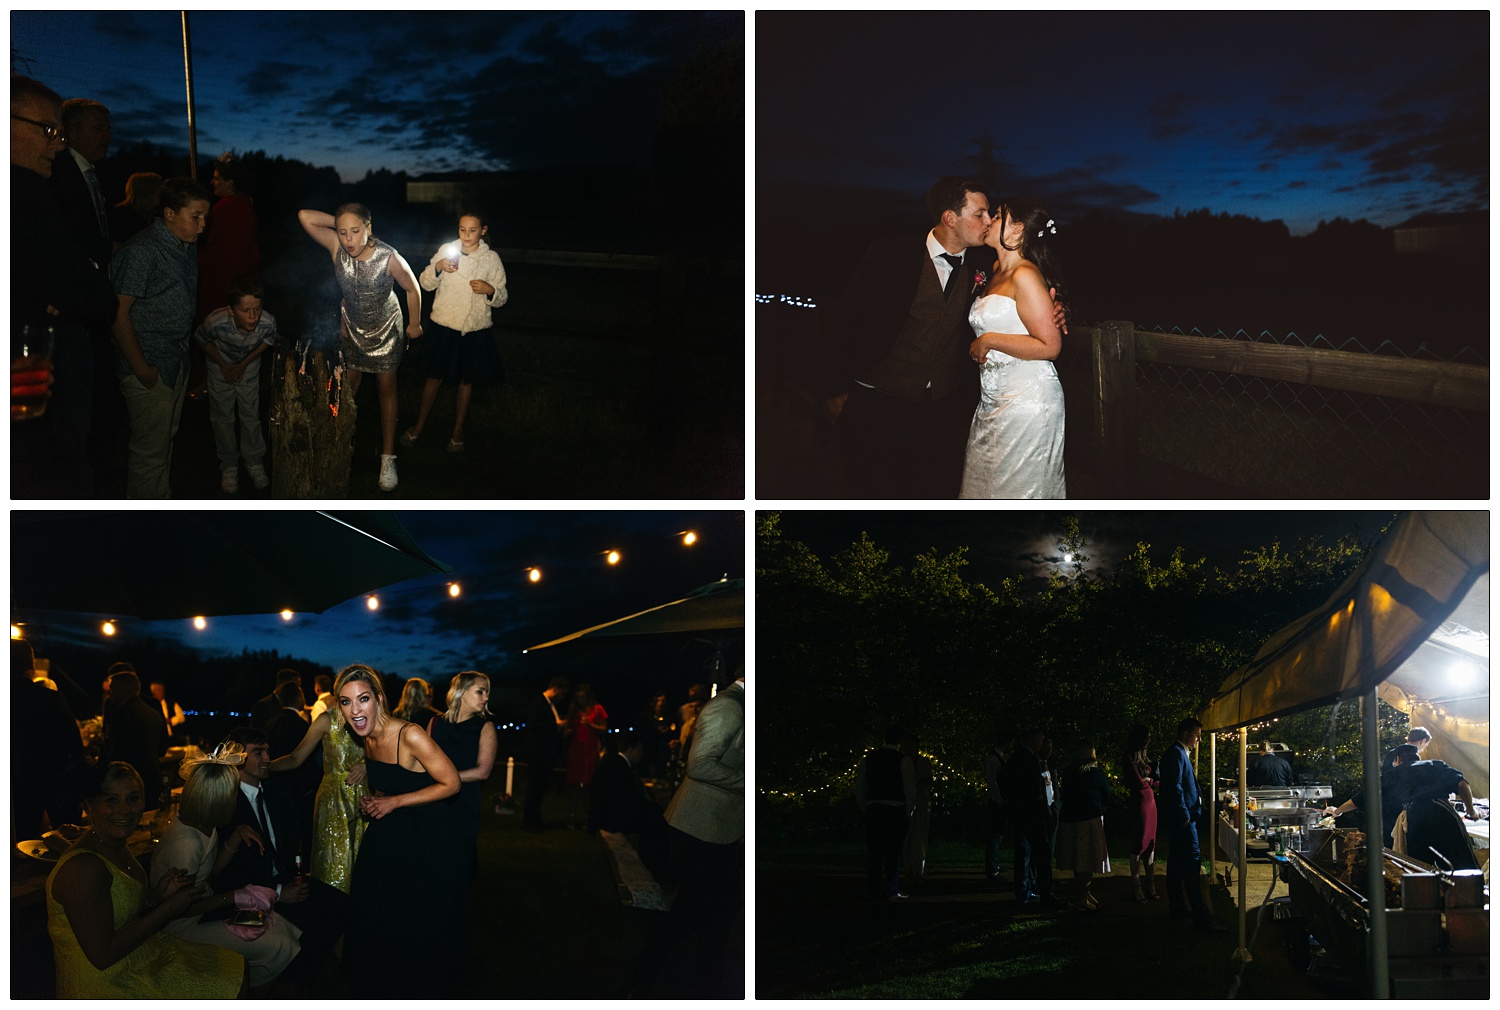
(370, 333)
(337, 825)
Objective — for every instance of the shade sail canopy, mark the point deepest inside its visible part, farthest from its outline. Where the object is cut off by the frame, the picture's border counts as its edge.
(158, 565)
(1415, 579)
(714, 607)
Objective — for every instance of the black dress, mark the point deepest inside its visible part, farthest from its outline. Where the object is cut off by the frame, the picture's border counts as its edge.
(460, 741)
(408, 891)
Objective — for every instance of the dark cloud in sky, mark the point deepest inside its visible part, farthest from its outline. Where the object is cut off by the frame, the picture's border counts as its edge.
(1187, 104)
(409, 91)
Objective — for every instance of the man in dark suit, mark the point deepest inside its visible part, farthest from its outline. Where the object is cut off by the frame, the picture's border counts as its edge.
(897, 345)
(135, 733)
(267, 708)
(1030, 818)
(75, 179)
(284, 732)
(54, 284)
(265, 804)
(1179, 809)
(618, 802)
(544, 726)
(885, 788)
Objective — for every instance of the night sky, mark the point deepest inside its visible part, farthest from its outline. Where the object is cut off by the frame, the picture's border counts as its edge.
(361, 90)
(420, 631)
(1007, 544)
(1291, 116)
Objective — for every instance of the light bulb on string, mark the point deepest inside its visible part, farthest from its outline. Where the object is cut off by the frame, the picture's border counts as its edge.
(372, 602)
(453, 590)
(200, 623)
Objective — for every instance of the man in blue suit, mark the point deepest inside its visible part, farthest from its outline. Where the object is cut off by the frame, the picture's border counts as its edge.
(1180, 808)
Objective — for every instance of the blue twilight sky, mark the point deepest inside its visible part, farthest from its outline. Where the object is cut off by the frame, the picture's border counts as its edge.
(419, 630)
(1294, 116)
(364, 89)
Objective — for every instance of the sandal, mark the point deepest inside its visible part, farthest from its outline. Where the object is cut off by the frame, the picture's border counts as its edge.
(455, 446)
(408, 439)
(1140, 896)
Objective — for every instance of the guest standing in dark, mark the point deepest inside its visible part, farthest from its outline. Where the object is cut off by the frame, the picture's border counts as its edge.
(1031, 820)
(886, 790)
(54, 283)
(1081, 846)
(467, 736)
(995, 812)
(135, 733)
(544, 726)
(1269, 770)
(47, 750)
(1140, 777)
(1180, 808)
(132, 214)
(156, 277)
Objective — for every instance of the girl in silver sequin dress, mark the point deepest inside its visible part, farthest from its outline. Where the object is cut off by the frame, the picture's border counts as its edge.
(370, 333)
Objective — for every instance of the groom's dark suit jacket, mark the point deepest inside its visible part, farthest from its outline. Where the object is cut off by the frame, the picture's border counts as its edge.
(900, 348)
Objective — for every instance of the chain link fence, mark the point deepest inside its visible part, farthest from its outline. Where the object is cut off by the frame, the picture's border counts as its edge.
(1282, 439)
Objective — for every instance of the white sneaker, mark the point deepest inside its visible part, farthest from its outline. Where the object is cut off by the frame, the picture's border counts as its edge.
(258, 476)
(387, 473)
(229, 481)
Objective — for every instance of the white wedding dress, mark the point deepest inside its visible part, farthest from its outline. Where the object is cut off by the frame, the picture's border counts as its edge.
(1015, 445)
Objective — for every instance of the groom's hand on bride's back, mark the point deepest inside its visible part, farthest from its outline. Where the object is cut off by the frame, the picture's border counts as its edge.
(1059, 312)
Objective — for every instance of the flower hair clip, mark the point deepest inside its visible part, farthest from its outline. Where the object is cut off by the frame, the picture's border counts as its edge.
(228, 753)
(1050, 225)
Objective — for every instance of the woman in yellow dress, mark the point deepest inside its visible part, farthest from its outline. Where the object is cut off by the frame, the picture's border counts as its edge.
(106, 923)
(337, 825)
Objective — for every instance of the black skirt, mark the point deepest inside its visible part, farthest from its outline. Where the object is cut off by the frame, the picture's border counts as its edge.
(457, 357)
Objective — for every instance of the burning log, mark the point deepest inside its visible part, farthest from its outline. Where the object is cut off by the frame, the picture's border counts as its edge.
(312, 431)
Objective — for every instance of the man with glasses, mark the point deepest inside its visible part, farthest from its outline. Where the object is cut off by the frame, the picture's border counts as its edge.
(53, 284)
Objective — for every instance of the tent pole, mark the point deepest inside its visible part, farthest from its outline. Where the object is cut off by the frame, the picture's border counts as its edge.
(1213, 800)
(187, 70)
(1242, 953)
(1378, 950)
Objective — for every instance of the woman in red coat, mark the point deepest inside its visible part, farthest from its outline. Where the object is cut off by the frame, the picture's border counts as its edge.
(228, 250)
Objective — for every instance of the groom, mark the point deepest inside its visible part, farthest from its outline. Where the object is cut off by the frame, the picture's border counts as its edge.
(905, 386)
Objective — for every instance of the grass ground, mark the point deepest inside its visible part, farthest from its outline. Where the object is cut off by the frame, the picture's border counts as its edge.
(959, 936)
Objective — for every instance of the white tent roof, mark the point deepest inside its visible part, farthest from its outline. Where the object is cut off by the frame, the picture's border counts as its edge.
(1412, 618)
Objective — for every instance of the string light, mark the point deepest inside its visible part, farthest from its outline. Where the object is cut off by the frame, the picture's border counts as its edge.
(200, 623)
(286, 615)
(108, 627)
(15, 631)
(373, 602)
(612, 557)
(534, 574)
(941, 773)
(689, 538)
(792, 301)
(453, 590)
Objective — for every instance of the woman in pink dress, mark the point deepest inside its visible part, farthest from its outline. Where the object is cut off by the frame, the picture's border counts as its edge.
(1140, 776)
(586, 720)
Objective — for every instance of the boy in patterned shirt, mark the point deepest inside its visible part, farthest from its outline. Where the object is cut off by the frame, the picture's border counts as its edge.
(234, 338)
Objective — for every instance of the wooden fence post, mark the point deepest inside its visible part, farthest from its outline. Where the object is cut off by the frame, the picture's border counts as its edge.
(1114, 407)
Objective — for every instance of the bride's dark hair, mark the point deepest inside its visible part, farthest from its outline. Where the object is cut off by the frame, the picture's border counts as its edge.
(1038, 241)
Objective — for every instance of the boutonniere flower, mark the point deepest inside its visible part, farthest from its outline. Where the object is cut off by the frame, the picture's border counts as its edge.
(980, 279)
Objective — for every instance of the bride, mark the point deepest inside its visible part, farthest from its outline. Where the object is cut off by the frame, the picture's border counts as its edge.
(1015, 447)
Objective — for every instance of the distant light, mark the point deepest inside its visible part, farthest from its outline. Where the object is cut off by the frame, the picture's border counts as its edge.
(689, 538)
(534, 574)
(1461, 675)
(15, 631)
(108, 627)
(453, 589)
(613, 557)
(373, 602)
(200, 623)
(286, 615)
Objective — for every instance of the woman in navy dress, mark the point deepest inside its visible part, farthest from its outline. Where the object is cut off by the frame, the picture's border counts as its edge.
(405, 892)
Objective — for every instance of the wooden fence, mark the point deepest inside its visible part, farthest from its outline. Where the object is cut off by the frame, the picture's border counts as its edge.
(1118, 357)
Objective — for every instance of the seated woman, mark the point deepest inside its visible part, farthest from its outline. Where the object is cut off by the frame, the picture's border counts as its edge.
(106, 924)
(191, 844)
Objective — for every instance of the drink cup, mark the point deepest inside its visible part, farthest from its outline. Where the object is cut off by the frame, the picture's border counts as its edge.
(30, 372)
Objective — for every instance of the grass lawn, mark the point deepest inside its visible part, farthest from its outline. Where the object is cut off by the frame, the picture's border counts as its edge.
(962, 937)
